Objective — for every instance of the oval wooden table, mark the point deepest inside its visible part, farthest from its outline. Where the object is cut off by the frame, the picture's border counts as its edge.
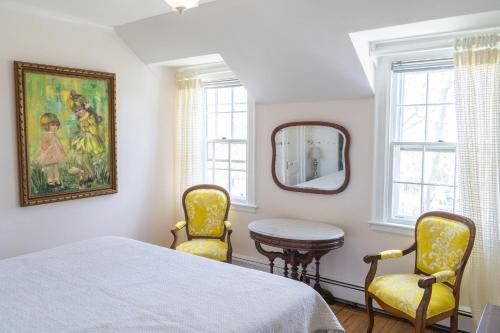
(301, 242)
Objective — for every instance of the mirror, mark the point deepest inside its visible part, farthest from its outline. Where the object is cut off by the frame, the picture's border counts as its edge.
(311, 156)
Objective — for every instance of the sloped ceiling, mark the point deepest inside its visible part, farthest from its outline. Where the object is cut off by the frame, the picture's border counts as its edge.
(285, 50)
(282, 50)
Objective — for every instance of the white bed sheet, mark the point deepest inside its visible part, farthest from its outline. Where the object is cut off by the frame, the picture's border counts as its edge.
(114, 284)
(330, 182)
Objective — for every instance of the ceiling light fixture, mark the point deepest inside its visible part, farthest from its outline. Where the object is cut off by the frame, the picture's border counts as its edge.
(182, 5)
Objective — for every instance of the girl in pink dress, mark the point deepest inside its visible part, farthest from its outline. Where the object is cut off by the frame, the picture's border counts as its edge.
(51, 152)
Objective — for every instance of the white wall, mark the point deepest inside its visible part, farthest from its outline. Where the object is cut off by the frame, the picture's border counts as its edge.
(142, 208)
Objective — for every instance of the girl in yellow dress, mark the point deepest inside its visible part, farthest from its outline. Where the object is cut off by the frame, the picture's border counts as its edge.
(87, 142)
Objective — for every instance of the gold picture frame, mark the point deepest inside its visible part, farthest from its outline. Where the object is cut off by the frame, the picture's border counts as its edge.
(66, 123)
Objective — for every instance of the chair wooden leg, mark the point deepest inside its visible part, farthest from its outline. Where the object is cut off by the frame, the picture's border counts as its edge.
(369, 310)
(420, 325)
(454, 322)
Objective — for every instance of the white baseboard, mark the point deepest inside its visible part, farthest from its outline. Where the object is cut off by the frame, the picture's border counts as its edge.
(345, 291)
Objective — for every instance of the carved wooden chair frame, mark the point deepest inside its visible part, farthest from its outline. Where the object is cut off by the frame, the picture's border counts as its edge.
(227, 230)
(420, 321)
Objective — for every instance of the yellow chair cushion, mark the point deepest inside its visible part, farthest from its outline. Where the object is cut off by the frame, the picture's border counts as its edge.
(208, 248)
(441, 244)
(401, 291)
(206, 209)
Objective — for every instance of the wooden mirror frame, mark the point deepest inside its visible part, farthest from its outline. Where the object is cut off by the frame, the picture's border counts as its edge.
(347, 165)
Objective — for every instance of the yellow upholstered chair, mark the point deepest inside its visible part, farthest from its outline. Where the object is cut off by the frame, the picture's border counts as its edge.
(443, 243)
(205, 211)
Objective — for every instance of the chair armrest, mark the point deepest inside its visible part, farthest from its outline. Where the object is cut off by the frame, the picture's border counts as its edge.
(389, 254)
(179, 225)
(437, 277)
(228, 225)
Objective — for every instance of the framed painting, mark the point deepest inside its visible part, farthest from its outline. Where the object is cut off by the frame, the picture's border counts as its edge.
(66, 133)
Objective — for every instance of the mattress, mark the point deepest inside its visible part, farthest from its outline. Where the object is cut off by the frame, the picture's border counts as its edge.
(114, 284)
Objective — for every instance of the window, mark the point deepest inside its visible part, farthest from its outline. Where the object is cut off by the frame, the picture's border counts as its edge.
(422, 140)
(227, 140)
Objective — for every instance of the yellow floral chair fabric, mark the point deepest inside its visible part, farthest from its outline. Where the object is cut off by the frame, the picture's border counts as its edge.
(401, 291)
(443, 242)
(208, 248)
(205, 209)
(442, 245)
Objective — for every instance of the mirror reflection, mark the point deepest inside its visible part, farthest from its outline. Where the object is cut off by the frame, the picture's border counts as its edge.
(310, 157)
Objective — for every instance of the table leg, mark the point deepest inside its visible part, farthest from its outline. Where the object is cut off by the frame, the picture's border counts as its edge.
(303, 276)
(270, 255)
(327, 295)
(285, 272)
(295, 264)
(316, 284)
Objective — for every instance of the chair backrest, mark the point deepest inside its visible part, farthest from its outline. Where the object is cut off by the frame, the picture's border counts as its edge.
(205, 209)
(444, 242)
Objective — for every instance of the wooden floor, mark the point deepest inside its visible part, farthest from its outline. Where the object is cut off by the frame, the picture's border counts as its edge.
(355, 320)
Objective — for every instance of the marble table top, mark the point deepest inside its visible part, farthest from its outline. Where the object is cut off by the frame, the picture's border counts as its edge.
(296, 229)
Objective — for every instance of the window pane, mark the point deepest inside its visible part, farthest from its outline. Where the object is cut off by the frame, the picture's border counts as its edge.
(210, 150)
(407, 164)
(406, 201)
(441, 87)
(212, 108)
(225, 108)
(438, 198)
(439, 167)
(210, 176)
(221, 178)
(240, 126)
(211, 128)
(240, 107)
(222, 164)
(223, 125)
(414, 88)
(226, 117)
(441, 123)
(238, 152)
(221, 151)
(240, 166)
(238, 156)
(210, 164)
(240, 95)
(239, 184)
(210, 96)
(412, 123)
(224, 96)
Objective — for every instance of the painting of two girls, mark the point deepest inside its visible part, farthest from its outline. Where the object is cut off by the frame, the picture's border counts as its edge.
(68, 138)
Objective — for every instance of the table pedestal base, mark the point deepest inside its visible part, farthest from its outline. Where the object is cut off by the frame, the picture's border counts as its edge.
(298, 261)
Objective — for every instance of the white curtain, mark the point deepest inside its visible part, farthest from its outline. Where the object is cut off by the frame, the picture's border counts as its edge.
(477, 85)
(189, 137)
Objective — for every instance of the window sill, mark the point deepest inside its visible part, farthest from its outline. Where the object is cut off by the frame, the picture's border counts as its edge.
(244, 208)
(394, 228)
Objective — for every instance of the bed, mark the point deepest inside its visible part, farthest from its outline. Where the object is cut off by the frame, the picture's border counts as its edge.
(328, 182)
(114, 284)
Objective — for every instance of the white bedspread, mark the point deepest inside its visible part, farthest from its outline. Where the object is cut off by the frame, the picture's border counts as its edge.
(330, 182)
(115, 284)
